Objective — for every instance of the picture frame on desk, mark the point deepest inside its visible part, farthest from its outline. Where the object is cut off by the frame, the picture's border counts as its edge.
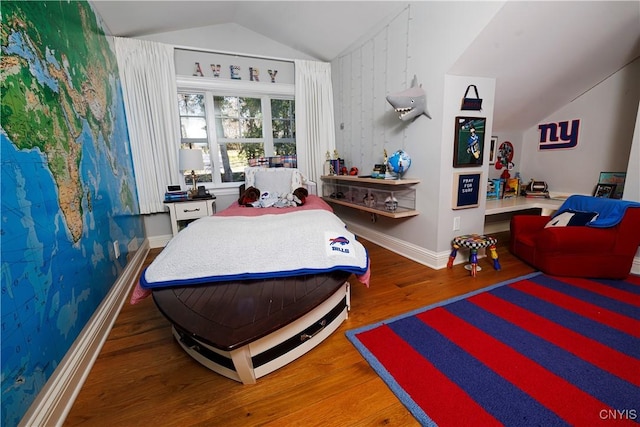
(617, 178)
(605, 190)
(468, 147)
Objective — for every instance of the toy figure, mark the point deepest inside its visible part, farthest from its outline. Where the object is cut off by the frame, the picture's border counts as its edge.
(452, 257)
(494, 257)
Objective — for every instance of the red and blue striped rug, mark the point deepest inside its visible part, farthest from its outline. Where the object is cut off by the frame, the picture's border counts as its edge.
(534, 351)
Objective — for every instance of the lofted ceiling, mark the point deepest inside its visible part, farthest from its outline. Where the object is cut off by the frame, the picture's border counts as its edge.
(543, 54)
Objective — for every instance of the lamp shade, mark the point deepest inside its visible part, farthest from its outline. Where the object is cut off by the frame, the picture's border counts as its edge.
(190, 159)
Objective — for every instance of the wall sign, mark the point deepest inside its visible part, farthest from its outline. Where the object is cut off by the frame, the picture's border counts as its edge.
(466, 190)
(555, 136)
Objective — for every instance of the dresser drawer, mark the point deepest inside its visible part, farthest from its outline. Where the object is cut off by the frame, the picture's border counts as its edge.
(191, 210)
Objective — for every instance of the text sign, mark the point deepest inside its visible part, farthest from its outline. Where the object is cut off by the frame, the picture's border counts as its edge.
(467, 190)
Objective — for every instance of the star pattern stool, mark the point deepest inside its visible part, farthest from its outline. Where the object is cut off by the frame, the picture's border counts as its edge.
(474, 242)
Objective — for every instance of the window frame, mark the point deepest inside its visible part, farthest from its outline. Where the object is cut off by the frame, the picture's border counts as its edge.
(214, 87)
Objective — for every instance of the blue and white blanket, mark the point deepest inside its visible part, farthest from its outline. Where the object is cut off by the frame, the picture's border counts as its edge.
(213, 249)
(610, 211)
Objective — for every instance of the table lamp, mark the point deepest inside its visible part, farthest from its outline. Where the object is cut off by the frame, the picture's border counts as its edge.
(191, 159)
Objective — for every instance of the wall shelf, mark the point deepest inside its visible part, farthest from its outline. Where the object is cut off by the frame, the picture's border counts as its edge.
(392, 198)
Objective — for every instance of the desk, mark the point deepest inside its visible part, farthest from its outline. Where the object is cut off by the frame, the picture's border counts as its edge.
(514, 204)
(497, 211)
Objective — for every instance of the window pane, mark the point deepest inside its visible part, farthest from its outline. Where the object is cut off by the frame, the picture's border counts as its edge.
(191, 104)
(233, 159)
(193, 127)
(283, 125)
(238, 117)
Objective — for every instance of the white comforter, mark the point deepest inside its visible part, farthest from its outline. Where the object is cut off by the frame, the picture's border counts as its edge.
(219, 248)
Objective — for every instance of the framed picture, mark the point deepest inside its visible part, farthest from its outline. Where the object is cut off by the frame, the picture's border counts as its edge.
(617, 178)
(605, 190)
(493, 150)
(468, 148)
(466, 190)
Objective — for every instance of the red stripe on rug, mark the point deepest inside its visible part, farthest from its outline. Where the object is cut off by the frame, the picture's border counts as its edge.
(606, 317)
(594, 352)
(552, 391)
(604, 290)
(442, 400)
(633, 279)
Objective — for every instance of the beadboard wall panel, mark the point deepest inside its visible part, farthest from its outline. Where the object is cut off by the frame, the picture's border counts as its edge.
(363, 76)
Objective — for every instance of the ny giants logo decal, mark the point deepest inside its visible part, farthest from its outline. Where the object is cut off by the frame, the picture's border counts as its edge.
(551, 133)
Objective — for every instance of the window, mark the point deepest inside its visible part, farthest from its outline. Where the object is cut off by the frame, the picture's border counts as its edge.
(244, 127)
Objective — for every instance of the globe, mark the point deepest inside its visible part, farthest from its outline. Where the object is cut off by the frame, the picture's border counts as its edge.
(399, 162)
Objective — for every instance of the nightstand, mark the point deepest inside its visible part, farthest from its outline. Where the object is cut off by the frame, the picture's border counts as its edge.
(184, 211)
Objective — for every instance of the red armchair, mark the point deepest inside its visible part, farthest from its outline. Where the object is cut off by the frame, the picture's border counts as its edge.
(604, 251)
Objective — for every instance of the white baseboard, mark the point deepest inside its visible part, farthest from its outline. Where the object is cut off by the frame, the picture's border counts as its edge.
(423, 256)
(53, 403)
(159, 241)
(418, 254)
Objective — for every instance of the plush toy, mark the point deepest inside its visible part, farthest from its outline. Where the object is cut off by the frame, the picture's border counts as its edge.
(266, 200)
(301, 194)
(250, 196)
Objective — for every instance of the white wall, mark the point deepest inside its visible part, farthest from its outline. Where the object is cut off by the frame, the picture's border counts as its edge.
(426, 40)
(607, 115)
(632, 187)
(423, 40)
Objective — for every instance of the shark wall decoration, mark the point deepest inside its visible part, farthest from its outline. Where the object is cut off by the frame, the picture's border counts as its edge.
(410, 103)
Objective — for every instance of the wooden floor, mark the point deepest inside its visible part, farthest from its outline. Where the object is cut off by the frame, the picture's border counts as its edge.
(143, 378)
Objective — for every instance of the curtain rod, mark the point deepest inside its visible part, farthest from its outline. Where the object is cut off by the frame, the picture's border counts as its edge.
(222, 52)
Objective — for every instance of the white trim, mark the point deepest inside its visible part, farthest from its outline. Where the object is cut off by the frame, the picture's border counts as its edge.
(53, 403)
(235, 87)
(159, 241)
(408, 250)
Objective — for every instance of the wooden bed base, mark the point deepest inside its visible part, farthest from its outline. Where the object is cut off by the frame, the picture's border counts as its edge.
(247, 330)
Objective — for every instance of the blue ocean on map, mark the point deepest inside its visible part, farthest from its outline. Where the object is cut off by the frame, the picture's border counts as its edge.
(51, 286)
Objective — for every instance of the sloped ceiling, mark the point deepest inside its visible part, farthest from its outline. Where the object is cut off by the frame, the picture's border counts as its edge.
(321, 29)
(542, 54)
(545, 54)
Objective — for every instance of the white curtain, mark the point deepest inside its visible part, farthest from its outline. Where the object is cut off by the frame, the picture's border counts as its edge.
(148, 77)
(315, 130)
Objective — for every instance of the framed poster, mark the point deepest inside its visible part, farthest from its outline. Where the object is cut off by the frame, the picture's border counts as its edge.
(493, 150)
(468, 147)
(466, 190)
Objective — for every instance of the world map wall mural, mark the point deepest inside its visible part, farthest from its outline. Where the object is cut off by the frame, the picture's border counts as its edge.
(68, 196)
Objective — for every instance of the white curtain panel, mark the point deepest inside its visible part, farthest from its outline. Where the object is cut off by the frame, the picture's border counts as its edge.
(315, 130)
(148, 77)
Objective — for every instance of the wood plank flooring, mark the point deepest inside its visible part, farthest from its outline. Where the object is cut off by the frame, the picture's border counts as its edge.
(143, 378)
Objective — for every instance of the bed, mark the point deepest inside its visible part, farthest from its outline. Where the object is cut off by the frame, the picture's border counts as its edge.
(251, 289)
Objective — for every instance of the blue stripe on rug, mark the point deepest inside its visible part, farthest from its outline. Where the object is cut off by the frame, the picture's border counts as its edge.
(588, 296)
(617, 284)
(497, 396)
(589, 328)
(602, 385)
